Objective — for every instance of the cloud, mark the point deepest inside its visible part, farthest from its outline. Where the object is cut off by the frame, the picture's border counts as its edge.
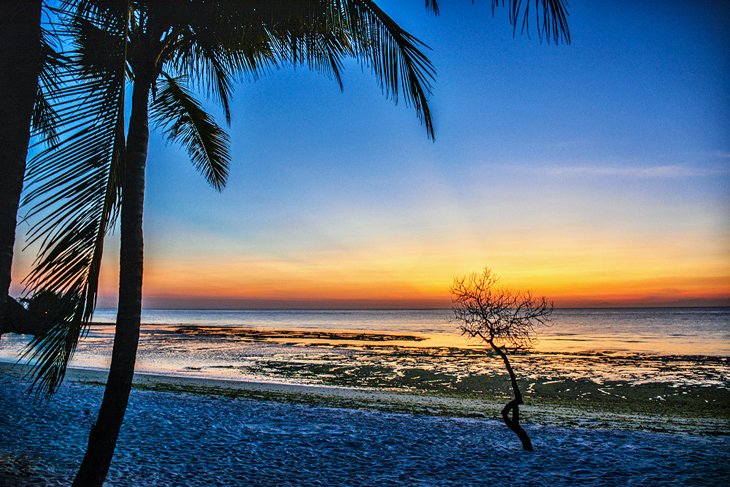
(664, 171)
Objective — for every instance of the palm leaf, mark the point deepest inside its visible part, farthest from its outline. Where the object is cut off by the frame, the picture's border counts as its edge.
(551, 16)
(45, 119)
(73, 184)
(229, 39)
(250, 37)
(183, 120)
(394, 55)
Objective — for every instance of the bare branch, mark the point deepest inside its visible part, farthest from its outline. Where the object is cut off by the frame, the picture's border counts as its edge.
(503, 319)
(507, 318)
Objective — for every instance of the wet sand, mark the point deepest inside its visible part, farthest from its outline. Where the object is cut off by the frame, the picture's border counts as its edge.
(565, 412)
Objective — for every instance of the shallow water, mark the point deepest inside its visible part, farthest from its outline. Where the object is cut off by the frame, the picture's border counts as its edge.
(614, 380)
(683, 331)
(598, 345)
(182, 439)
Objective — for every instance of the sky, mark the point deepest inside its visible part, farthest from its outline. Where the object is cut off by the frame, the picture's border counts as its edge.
(595, 173)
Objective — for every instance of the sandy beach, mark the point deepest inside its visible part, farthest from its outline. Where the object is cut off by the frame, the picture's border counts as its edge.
(197, 431)
(413, 402)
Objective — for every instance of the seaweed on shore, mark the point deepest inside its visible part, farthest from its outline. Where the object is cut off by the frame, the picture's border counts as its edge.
(264, 335)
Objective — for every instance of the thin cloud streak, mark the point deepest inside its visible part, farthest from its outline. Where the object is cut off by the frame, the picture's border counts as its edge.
(664, 171)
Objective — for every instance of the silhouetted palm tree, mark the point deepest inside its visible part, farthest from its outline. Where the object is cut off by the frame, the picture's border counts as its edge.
(165, 48)
(20, 32)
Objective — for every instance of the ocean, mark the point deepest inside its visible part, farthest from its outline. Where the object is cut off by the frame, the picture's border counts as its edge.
(685, 331)
(387, 348)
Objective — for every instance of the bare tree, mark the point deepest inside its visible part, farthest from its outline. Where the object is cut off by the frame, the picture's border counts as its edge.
(506, 321)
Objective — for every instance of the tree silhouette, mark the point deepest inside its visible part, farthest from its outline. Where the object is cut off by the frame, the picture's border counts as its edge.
(166, 50)
(503, 319)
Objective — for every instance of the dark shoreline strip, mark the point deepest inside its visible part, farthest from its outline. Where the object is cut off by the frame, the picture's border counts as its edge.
(258, 334)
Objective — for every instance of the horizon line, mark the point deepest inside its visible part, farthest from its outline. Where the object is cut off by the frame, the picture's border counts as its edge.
(408, 308)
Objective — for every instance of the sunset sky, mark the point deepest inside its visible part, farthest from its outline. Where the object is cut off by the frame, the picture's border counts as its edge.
(596, 173)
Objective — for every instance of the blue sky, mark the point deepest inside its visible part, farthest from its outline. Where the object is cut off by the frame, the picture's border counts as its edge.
(596, 172)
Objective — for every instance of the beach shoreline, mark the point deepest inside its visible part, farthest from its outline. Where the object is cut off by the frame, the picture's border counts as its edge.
(398, 401)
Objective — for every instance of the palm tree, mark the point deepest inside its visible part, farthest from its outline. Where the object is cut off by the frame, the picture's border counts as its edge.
(20, 59)
(166, 49)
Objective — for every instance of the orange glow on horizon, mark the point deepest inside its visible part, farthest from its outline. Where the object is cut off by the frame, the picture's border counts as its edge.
(575, 271)
(411, 284)
(420, 276)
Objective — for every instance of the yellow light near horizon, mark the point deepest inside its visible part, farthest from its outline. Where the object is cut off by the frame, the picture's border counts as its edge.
(571, 268)
(566, 273)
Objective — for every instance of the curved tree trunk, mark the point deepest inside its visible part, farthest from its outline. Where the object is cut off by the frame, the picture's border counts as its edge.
(20, 60)
(103, 436)
(513, 422)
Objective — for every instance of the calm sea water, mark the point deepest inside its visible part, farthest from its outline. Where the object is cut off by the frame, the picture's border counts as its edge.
(685, 331)
(632, 345)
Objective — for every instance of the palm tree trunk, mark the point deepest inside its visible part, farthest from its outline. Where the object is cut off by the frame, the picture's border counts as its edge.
(103, 436)
(20, 59)
(513, 422)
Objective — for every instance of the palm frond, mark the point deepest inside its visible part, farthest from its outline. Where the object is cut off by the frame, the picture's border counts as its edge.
(45, 119)
(394, 55)
(183, 120)
(73, 185)
(257, 35)
(210, 70)
(432, 6)
(214, 47)
(551, 17)
(317, 39)
(215, 77)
